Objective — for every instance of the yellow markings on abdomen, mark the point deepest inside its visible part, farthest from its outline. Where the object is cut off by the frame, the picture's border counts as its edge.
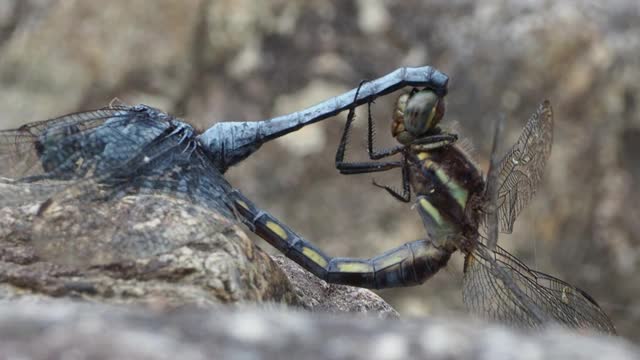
(459, 193)
(354, 267)
(423, 155)
(432, 211)
(277, 229)
(314, 256)
(243, 204)
(427, 252)
(392, 259)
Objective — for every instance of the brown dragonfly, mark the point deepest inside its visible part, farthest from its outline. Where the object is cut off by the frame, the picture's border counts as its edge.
(461, 210)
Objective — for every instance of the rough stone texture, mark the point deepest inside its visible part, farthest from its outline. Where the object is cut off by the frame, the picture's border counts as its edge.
(79, 50)
(72, 330)
(141, 249)
(153, 250)
(319, 296)
(253, 59)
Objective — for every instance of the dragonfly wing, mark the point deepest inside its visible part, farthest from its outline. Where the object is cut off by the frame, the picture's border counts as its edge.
(499, 286)
(521, 169)
(31, 150)
(106, 219)
(82, 169)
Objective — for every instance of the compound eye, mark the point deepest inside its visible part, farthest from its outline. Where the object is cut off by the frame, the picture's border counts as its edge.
(420, 112)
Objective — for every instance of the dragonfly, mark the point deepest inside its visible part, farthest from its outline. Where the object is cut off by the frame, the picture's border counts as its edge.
(106, 154)
(460, 210)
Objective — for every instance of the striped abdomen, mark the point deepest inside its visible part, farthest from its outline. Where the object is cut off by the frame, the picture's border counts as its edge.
(445, 180)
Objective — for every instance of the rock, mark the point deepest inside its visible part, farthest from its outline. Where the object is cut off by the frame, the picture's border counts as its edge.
(155, 250)
(81, 63)
(65, 329)
(148, 249)
(220, 60)
(318, 296)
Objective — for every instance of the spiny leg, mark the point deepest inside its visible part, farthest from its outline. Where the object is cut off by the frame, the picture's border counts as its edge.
(405, 196)
(349, 168)
(432, 142)
(425, 143)
(406, 186)
(367, 167)
(406, 265)
(371, 134)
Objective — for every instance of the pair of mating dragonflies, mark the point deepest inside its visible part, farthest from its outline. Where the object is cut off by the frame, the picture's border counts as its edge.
(119, 150)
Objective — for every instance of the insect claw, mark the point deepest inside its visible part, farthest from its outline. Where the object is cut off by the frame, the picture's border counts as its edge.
(190, 148)
(185, 129)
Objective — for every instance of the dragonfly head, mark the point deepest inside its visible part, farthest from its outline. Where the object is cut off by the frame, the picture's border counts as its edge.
(415, 114)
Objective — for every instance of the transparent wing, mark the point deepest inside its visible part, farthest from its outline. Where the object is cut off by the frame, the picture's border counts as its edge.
(53, 154)
(22, 149)
(500, 287)
(522, 167)
(90, 173)
(110, 218)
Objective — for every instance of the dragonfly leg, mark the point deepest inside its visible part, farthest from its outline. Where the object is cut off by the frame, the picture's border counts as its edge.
(425, 143)
(433, 142)
(371, 134)
(374, 154)
(406, 265)
(405, 196)
(349, 168)
(365, 168)
(183, 129)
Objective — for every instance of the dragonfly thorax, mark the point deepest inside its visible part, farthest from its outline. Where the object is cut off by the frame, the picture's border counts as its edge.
(448, 184)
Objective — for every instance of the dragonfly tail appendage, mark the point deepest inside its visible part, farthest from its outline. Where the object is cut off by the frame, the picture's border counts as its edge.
(234, 141)
(406, 265)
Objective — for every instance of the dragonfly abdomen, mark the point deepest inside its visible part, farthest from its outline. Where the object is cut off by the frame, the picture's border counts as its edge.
(409, 264)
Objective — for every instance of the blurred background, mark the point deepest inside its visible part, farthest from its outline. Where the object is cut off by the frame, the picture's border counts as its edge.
(211, 61)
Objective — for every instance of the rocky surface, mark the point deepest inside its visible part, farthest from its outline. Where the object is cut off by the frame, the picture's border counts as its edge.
(153, 250)
(81, 331)
(252, 59)
(140, 249)
(318, 296)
